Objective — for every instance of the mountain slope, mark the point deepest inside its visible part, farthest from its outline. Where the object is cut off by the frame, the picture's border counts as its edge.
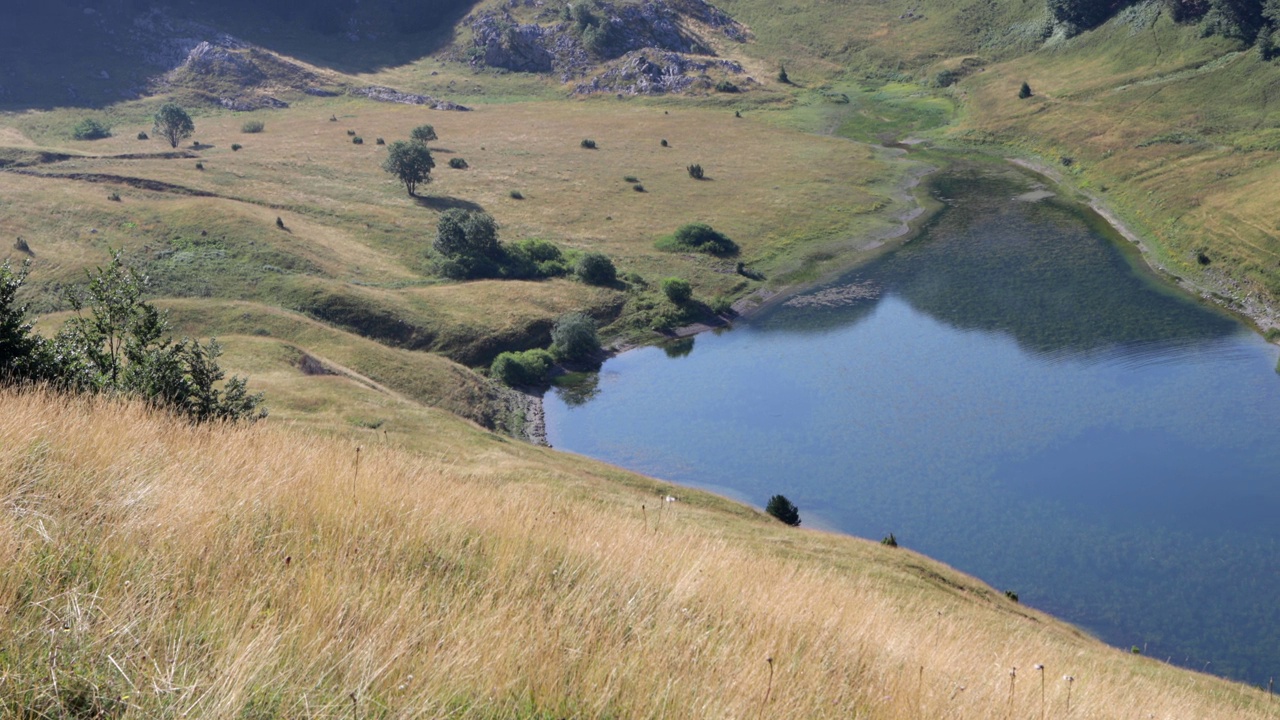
(155, 569)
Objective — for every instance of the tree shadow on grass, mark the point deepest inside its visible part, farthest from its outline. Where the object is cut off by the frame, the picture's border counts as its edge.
(445, 202)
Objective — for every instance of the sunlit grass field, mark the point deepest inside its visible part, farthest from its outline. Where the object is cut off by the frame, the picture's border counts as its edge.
(155, 569)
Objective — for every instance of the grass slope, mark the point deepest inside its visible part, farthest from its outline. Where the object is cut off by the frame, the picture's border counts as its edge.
(155, 569)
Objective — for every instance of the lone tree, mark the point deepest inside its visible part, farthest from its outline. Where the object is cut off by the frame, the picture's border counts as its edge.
(783, 509)
(423, 134)
(1024, 92)
(410, 162)
(173, 124)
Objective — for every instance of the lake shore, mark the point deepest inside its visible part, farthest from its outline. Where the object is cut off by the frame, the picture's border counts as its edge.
(1225, 293)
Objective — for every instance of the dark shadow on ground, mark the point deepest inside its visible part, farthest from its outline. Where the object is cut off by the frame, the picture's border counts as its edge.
(442, 203)
(85, 63)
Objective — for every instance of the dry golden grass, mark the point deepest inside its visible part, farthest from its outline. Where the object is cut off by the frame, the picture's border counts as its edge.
(162, 570)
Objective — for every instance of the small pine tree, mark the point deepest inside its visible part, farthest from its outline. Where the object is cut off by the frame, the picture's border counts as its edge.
(695, 172)
(783, 509)
(782, 75)
(1024, 92)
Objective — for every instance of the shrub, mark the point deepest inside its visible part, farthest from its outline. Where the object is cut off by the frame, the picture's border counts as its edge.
(379, 141)
(91, 129)
(423, 134)
(699, 237)
(945, 78)
(889, 541)
(252, 127)
(351, 132)
(142, 135)
(199, 166)
(783, 509)
(695, 172)
(114, 197)
(279, 222)
(574, 337)
(533, 258)
(588, 144)
(522, 368)
(631, 179)
(517, 195)
(21, 246)
(595, 268)
(721, 305)
(458, 163)
(357, 140)
(725, 86)
(1011, 595)
(638, 187)
(235, 147)
(677, 290)
(664, 142)
(1024, 92)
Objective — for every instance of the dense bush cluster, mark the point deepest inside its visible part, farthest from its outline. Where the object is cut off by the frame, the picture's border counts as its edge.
(467, 247)
(91, 129)
(118, 343)
(595, 268)
(574, 337)
(699, 237)
(522, 368)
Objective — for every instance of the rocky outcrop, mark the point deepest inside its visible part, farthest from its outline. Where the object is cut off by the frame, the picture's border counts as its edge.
(391, 95)
(651, 72)
(644, 45)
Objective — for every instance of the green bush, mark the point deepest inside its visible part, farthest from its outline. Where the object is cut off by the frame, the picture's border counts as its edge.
(253, 127)
(889, 540)
(699, 237)
(677, 290)
(235, 147)
(695, 172)
(468, 244)
(783, 509)
(357, 140)
(588, 144)
(423, 134)
(721, 305)
(458, 163)
(522, 368)
(534, 258)
(725, 86)
(516, 195)
(1024, 92)
(574, 337)
(142, 135)
(91, 129)
(638, 187)
(595, 268)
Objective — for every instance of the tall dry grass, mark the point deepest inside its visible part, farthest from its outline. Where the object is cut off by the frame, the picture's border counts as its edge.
(153, 569)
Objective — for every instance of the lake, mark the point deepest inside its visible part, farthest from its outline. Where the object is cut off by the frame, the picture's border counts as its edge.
(1011, 392)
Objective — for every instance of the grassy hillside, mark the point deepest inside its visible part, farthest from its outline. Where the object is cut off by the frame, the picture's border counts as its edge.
(159, 570)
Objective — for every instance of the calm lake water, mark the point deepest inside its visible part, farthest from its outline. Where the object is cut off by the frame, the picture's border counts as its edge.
(1011, 393)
